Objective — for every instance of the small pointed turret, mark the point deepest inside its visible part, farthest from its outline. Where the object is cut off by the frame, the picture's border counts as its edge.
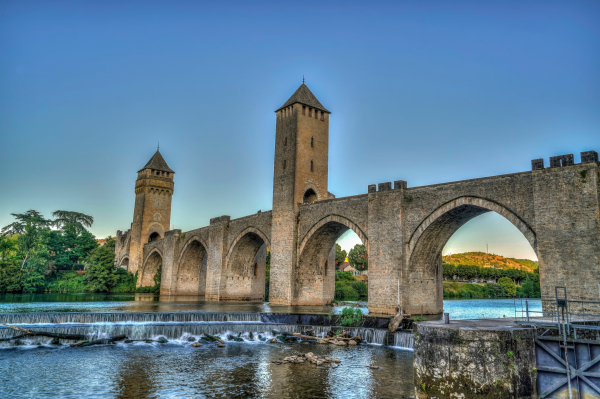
(305, 97)
(157, 162)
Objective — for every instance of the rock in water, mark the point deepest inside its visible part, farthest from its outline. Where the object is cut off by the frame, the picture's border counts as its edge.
(196, 344)
(352, 342)
(128, 341)
(250, 335)
(273, 340)
(55, 341)
(191, 339)
(221, 345)
(336, 360)
(162, 340)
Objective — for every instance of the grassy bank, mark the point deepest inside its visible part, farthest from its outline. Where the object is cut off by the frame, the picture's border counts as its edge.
(457, 290)
(347, 287)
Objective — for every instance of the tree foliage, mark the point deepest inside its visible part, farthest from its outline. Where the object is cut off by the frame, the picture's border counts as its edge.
(347, 287)
(100, 270)
(31, 254)
(76, 220)
(358, 257)
(469, 272)
(510, 288)
(340, 256)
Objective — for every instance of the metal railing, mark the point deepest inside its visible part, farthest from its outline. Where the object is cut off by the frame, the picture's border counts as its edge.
(560, 312)
(565, 360)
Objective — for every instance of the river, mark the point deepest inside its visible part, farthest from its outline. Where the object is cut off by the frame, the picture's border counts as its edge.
(33, 368)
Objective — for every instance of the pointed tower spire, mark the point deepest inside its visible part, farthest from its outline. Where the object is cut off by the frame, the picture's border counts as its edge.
(157, 162)
(305, 97)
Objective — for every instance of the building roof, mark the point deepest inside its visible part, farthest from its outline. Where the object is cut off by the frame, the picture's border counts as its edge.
(305, 97)
(347, 268)
(157, 162)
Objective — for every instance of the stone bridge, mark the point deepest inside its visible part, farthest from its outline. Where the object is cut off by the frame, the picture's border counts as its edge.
(404, 229)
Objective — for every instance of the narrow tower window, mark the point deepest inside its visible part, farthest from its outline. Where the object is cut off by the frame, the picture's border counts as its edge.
(284, 162)
(310, 112)
(322, 116)
(256, 269)
(312, 166)
(304, 110)
(312, 142)
(316, 113)
(285, 142)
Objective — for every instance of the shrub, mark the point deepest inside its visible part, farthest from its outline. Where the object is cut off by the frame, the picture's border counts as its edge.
(346, 292)
(510, 288)
(360, 288)
(351, 317)
(156, 287)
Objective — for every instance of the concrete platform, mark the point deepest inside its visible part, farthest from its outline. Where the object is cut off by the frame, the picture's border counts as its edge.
(476, 324)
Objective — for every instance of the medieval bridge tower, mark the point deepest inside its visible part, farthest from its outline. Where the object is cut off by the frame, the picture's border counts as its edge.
(556, 208)
(151, 213)
(300, 176)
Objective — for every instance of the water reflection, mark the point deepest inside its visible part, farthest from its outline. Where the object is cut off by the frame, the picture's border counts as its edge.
(134, 378)
(177, 370)
(43, 303)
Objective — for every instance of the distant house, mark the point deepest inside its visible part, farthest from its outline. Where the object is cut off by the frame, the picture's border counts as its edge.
(491, 267)
(101, 242)
(347, 268)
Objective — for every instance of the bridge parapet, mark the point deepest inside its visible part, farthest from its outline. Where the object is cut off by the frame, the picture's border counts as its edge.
(560, 161)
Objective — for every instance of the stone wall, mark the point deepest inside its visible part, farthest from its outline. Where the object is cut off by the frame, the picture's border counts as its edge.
(284, 231)
(474, 359)
(567, 215)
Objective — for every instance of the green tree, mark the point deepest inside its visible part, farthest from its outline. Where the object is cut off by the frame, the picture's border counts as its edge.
(70, 246)
(18, 226)
(340, 256)
(10, 266)
(361, 288)
(448, 270)
(8, 248)
(510, 288)
(76, 220)
(100, 270)
(34, 269)
(358, 257)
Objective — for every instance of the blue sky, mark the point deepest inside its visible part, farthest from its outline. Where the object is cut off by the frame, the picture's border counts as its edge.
(426, 92)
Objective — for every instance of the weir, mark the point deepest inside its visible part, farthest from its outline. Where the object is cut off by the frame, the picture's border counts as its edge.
(180, 326)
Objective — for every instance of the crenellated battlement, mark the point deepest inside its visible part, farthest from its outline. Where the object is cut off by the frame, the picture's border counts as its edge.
(560, 161)
(398, 185)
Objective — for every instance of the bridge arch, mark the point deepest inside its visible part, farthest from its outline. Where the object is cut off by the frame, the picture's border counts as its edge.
(423, 279)
(190, 277)
(245, 266)
(314, 275)
(124, 262)
(151, 264)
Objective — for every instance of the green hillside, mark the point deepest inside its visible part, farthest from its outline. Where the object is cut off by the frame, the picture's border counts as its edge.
(481, 259)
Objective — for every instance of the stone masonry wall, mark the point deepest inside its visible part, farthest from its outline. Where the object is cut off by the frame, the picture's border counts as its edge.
(386, 240)
(283, 231)
(310, 126)
(475, 361)
(567, 215)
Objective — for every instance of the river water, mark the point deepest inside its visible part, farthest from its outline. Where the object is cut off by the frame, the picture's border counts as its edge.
(32, 367)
